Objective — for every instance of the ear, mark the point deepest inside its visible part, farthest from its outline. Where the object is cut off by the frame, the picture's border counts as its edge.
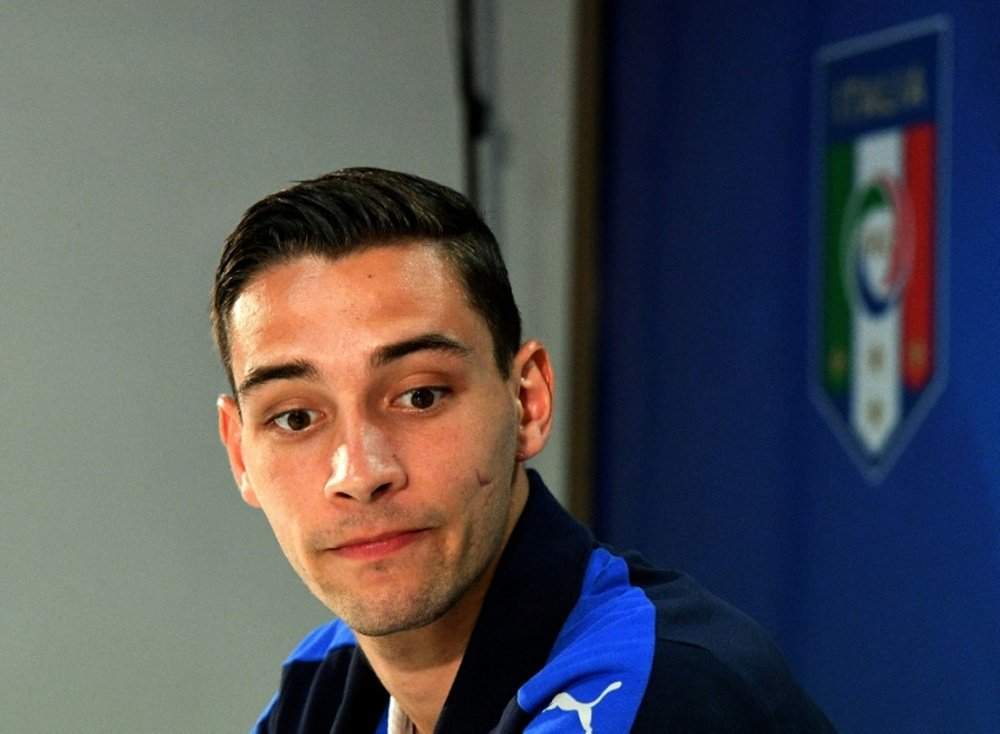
(231, 433)
(535, 388)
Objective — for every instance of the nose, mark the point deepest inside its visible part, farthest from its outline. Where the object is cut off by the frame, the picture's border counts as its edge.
(364, 466)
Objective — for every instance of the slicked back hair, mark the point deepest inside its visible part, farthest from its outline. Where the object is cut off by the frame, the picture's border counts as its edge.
(356, 209)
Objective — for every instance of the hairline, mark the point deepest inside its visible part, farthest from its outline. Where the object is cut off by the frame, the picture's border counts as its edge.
(315, 250)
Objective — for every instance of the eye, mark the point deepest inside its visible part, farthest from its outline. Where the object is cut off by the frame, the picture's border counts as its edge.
(295, 420)
(422, 398)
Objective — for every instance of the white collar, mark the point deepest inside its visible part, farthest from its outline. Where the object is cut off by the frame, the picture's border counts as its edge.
(399, 722)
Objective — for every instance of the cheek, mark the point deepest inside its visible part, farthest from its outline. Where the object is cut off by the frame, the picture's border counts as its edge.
(477, 452)
(286, 481)
(499, 439)
(275, 468)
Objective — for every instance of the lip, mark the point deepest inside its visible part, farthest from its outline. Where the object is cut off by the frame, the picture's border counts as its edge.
(375, 547)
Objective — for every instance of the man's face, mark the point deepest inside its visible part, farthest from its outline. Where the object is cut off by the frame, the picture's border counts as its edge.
(375, 431)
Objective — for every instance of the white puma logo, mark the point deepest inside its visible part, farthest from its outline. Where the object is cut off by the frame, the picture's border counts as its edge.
(565, 702)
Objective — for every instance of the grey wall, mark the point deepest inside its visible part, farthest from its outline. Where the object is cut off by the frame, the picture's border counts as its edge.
(137, 594)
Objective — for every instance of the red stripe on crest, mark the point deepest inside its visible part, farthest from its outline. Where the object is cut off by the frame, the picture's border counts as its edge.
(918, 308)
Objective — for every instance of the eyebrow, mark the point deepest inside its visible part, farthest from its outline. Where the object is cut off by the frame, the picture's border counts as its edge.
(303, 370)
(425, 342)
(258, 376)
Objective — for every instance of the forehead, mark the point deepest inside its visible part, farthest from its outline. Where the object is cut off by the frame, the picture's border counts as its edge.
(357, 301)
(380, 275)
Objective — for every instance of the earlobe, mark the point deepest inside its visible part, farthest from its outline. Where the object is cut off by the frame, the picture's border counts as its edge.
(535, 393)
(231, 434)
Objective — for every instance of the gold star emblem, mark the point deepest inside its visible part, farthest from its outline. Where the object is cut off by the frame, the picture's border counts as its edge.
(917, 355)
(876, 358)
(836, 365)
(875, 413)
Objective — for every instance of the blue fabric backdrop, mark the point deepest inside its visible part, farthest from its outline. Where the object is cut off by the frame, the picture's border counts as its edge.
(712, 456)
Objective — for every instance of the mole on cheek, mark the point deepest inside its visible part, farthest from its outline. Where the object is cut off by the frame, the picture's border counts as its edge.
(483, 479)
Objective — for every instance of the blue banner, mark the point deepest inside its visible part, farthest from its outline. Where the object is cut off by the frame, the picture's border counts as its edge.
(884, 593)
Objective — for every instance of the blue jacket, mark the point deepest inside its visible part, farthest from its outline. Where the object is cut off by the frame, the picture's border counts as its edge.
(572, 637)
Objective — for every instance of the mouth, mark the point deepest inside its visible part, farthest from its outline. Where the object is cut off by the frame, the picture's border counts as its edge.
(375, 547)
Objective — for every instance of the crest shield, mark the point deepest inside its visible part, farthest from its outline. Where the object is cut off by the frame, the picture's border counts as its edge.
(879, 359)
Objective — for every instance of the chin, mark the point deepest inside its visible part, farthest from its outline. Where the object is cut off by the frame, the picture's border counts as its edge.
(382, 625)
(396, 611)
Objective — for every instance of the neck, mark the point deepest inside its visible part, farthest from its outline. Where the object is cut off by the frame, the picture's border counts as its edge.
(419, 666)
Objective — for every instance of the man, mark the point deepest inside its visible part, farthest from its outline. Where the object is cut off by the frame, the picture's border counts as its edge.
(383, 409)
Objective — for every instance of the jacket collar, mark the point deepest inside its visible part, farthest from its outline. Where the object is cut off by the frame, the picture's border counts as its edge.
(535, 587)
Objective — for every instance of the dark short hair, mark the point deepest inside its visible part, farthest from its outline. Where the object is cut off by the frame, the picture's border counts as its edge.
(358, 208)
